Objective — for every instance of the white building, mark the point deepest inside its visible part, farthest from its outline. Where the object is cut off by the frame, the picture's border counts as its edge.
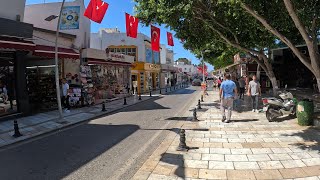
(12, 9)
(73, 21)
(146, 70)
(185, 71)
(168, 71)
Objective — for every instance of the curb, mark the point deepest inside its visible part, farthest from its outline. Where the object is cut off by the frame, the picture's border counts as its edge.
(65, 126)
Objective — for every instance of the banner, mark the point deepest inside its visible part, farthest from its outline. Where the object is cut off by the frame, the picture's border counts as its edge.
(70, 18)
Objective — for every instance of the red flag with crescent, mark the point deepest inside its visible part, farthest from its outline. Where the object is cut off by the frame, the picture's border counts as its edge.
(96, 10)
(155, 38)
(170, 39)
(132, 26)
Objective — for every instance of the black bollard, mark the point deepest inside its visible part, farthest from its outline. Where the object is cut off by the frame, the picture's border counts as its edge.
(124, 101)
(182, 144)
(139, 96)
(199, 104)
(150, 93)
(160, 91)
(195, 115)
(16, 129)
(166, 89)
(202, 98)
(103, 106)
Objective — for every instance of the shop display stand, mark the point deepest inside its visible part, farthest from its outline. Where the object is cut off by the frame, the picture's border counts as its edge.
(41, 90)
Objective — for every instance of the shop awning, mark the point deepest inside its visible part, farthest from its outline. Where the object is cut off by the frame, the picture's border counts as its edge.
(49, 51)
(12, 44)
(103, 62)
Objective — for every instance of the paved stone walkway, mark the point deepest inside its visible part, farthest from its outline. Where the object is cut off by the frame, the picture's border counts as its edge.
(249, 147)
(42, 123)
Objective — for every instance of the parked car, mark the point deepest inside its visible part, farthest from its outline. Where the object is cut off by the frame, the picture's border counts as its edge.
(196, 82)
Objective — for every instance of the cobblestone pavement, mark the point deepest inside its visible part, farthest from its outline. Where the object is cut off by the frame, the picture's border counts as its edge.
(249, 147)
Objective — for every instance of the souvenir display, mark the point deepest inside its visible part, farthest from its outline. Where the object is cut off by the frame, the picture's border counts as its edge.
(87, 86)
(42, 88)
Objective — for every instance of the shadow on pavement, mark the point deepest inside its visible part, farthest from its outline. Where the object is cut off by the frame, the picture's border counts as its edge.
(177, 118)
(182, 91)
(152, 105)
(176, 130)
(63, 153)
(244, 120)
(311, 139)
(176, 160)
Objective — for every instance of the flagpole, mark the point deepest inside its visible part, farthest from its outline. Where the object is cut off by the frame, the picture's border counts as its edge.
(56, 64)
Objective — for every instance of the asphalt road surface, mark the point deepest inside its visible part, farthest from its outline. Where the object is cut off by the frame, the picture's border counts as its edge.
(111, 147)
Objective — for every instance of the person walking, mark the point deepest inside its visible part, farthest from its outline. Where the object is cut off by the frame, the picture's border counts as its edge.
(227, 93)
(235, 101)
(254, 90)
(65, 95)
(219, 81)
(242, 85)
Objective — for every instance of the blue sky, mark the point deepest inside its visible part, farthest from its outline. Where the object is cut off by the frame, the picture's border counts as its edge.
(115, 18)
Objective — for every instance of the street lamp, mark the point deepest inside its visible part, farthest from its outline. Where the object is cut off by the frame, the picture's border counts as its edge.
(50, 18)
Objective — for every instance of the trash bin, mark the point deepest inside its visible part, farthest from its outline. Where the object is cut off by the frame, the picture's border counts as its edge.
(305, 109)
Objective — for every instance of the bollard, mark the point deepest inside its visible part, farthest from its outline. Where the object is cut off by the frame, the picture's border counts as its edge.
(160, 91)
(150, 93)
(166, 89)
(182, 144)
(195, 115)
(202, 98)
(16, 129)
(139, 96)
(124, 101)
(199, 104)
(103, 106)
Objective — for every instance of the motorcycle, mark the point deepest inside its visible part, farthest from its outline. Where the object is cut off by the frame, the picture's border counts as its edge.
(275, 107)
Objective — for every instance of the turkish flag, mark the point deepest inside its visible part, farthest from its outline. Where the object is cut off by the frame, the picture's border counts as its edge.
(96, 10)
(170, 39)
(155, 38)
(132, 25)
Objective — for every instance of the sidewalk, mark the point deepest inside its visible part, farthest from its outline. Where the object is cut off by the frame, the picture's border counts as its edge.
(249, 147)
(42, 123)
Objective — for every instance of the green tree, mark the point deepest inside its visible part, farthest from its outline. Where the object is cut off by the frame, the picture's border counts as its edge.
(291, 21)
(213, 25)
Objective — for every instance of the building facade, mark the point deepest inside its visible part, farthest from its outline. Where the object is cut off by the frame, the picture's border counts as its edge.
(145, 73)
(72, 20)
(168, 71)
(15, 45)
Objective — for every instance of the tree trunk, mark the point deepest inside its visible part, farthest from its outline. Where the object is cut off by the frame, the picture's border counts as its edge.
(270, 74)
(258, 72)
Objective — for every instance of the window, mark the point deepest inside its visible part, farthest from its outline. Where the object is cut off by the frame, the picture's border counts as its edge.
(125, 51)
(156, 57)
(148, 55)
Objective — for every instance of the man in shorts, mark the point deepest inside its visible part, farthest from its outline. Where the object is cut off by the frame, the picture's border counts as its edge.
(227, 93)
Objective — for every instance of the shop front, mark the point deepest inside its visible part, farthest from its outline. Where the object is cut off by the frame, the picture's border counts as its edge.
(110, 74)
(145, 76)
(13, 51)
(40, 76)
(167, 75)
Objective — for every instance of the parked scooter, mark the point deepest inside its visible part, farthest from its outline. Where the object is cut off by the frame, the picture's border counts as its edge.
(275, 107)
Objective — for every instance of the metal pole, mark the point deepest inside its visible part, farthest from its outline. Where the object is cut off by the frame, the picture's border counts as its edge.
(56, 63)
(202, 67)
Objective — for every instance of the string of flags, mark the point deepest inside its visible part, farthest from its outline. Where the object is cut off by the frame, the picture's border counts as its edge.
(97, 9)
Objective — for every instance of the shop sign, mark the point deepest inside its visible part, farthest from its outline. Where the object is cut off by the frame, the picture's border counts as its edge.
(152, 67)
(118, 56)
(70, 18)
